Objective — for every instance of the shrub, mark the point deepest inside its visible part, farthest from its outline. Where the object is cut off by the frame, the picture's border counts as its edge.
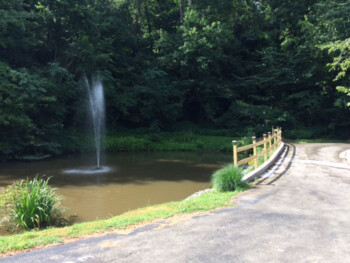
(187, 137)
(229, 178)
(127, 144)
(308, 132)
(154, 138)
(31, 204)
(200, 145)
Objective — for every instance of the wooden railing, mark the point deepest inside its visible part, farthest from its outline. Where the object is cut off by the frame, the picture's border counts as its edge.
(270, 143)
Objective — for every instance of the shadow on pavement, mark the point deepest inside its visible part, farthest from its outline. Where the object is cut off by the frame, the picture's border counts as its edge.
(290, 147)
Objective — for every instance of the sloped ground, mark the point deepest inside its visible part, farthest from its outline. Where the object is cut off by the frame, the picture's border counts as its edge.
(299, 212)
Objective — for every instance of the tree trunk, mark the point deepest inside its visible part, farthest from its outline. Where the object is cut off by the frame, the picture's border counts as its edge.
(147, 17)
(182, 11)
(138, 16)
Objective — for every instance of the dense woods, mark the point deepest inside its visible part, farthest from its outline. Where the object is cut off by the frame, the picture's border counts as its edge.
(233, 65)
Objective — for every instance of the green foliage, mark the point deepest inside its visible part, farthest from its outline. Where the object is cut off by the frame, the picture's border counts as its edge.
(31, 111)
(301, 134)
(238, 66)
(126, 144)
(341, 63)
(229, 178)
(143, 140)
(168, 142)
(334, 32)
(31, 204)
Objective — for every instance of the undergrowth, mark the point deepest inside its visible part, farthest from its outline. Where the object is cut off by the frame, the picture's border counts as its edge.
(161, 141)
(30, 204)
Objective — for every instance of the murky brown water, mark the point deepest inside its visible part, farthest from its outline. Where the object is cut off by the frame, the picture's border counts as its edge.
(135, 180)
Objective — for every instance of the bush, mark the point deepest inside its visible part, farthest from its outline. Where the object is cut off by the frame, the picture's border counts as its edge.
(31, 204)
(127, 144)
(299, 134)
(200, 145)
(187, 137)
(229, 178)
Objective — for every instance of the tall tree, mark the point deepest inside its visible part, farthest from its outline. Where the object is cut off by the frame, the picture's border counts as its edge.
(182, 10)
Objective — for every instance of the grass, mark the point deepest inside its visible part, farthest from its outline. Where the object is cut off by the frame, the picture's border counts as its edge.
(31, 239)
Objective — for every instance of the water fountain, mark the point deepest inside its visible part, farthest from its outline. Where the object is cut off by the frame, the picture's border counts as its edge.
(97, 109)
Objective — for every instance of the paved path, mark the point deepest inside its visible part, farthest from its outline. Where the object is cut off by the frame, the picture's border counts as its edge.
(300, 215)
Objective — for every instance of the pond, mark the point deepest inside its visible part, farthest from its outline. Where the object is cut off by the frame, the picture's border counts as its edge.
(133, 180)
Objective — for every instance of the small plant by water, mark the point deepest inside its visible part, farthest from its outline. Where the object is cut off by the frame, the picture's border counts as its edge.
(30, 204)
(229, 178)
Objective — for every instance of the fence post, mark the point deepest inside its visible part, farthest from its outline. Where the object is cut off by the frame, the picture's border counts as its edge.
(255, 153)
(276, 140)
(280, 134)
(265, 147)
(235, 155)
(270, 142)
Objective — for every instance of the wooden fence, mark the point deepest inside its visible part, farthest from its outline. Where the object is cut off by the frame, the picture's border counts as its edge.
(270, 143)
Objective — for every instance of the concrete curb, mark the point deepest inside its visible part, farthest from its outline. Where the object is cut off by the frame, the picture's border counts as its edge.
(270, 162)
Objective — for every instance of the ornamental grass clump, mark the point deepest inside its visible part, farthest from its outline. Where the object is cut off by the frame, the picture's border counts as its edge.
(229, 178)
(31, 204)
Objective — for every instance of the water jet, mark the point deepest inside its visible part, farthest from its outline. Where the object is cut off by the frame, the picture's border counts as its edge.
(96, 101)
(97, 109)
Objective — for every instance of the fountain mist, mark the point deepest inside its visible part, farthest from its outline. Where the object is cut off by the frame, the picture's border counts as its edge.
(97, 107)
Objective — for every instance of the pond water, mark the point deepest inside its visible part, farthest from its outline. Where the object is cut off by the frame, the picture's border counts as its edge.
(131, 180)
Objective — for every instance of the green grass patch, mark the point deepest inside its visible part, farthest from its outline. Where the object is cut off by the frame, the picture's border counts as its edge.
(30, 239)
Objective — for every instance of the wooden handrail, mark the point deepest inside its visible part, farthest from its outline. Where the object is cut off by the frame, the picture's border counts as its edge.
(251, 158)
(251, 146)
(245, 148)
(270, 143)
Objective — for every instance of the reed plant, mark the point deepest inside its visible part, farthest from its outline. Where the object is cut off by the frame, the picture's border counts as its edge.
(31, 204)
(229, 178)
